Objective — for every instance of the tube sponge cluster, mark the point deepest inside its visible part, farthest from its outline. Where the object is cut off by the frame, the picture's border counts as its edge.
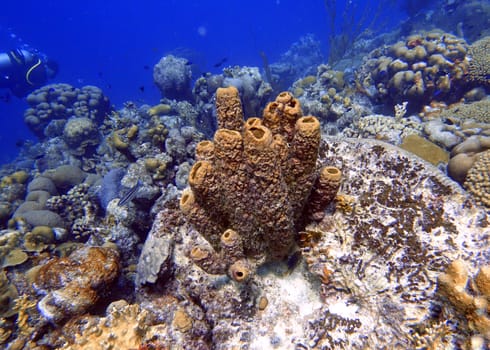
(250, 187)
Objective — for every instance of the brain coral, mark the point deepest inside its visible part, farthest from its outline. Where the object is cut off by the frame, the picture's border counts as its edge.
(478, 179)
(250, 186)
(479, 69)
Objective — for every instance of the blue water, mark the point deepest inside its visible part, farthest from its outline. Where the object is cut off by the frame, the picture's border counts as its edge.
(114, 44)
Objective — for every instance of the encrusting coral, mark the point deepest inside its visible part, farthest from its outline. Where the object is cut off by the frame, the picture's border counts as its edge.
(479, 68)
(250, 188)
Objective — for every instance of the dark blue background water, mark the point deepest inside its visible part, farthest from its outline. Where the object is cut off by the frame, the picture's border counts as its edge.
(114, 44)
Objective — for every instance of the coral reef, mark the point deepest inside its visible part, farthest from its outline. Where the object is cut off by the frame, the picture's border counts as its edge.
(425, 149)
(476, 111)
(52, 106)
(250, 186)
(78, 210)
(328, 96)
(419, 69)
(80, 133)
(464, 155)
(124, 327)
(173, 76)
(383, 127)
(8, 294)
(300, 60)
(284, 237)
(12, 192)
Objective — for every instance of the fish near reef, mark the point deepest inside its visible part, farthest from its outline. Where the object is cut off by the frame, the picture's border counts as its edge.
(130, 194)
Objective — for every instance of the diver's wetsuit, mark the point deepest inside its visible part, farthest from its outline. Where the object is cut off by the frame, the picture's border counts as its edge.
(21, 71)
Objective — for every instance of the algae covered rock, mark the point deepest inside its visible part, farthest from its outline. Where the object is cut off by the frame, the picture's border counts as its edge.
(73, 284)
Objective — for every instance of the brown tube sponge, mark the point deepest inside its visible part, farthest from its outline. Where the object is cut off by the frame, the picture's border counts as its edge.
(204, 183)
(229, 109)
(254, 179)
(208, 260)
(306, 142)
(300, 173)
(209, 224)
(281, 148)
(272, 117)
(324, 192)
(240, 270)
(201, 177)
(205, 150)
(257, 144)
(231, 245)
(253, 121)
(280, 116)
(228, 149)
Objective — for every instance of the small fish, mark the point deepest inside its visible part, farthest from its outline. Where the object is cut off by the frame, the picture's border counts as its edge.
(130, 194)
(39, 156)
(293, 260)
(142, 88)
(220, 63)
(146, 67)
(188, 63)
(100, 74)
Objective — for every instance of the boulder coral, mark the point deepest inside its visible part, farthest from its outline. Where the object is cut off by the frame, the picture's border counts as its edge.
(249, 188)
(53, 105)
(419, 69)
(477, 180)
(173, 77)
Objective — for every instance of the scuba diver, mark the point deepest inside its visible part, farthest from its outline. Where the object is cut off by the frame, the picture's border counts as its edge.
(23, 70)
